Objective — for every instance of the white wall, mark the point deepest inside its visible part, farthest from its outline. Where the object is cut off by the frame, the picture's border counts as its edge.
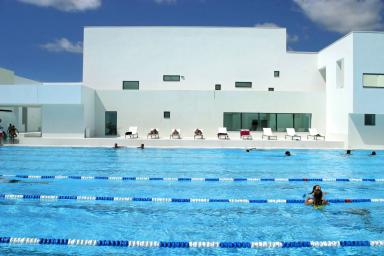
(88, 100)
(204, 56)
(339, 101)
(203, 109)
(364, 137)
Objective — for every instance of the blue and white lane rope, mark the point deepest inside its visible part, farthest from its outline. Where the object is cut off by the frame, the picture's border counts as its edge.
(177, 200)
(187, 244)
(188, 179)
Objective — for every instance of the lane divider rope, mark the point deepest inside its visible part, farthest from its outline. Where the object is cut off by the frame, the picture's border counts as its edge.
(186, 179)
(186, 244)
(177, 200)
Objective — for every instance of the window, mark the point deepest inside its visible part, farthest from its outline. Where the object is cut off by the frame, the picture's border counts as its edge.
(271, 89)
(111, 123)
(171, 78)
(217, 87)
(243, 84)
(370, 119)
(130, 85)
(257, 121)
(373, 80)
(340, 73)
(167, 114)
(276, 73)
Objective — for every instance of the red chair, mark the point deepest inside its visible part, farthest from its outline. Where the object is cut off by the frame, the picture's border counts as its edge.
(245, 134)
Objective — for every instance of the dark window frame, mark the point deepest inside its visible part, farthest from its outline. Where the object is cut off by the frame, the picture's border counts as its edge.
(167, 114)
(138, 85)
(167, 78)
(372, 87)
(276, 73)
(243, 84)
(370, 119)
(217, 87)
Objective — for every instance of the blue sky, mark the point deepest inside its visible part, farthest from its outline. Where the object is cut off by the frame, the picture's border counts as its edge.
(42, 39)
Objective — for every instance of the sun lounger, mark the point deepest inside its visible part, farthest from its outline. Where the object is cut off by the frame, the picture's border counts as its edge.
(198, 134)
(245, 134)
(132, 132)
(291, 133)
(175, 134)
(222, 133)
(267, 132)
(314, 134)
(153, 134)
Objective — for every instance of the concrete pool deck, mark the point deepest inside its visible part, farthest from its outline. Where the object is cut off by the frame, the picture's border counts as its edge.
(185, 142)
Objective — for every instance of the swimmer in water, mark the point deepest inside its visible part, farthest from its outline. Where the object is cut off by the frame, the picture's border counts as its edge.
(317, 199)
(2, 180)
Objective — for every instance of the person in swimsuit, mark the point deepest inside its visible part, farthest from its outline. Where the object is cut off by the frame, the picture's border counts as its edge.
(317, 199)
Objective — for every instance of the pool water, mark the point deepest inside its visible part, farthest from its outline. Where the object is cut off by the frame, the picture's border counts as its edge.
(156, 221)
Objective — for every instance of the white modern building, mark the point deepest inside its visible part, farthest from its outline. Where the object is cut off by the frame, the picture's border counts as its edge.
(206, 77)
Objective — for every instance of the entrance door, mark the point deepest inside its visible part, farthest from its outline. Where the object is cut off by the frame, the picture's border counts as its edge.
(110, 123)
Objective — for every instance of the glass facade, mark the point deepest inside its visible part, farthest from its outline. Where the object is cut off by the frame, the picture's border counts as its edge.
(235, 121)
(111, 123)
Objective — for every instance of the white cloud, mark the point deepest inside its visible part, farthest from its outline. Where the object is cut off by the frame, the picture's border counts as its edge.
(66, 5)
(343, 16)
(165, 1)
(290, 38)
(63, 45)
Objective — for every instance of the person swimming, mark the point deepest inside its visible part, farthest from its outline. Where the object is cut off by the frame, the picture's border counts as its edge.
(317, 199)
(287, 153)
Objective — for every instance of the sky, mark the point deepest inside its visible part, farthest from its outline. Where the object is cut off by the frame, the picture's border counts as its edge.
(42, 39)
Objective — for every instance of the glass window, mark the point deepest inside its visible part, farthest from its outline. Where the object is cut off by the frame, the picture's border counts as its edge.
(271, 89)
(171, 78)
(301, 122)
(243, 84)
(130, 85)
(217, 87)
(267, 120)
(167, 114)
(232, 121)
(373, 80)
(250, 121)
(284, 121)
(276, 73)
(370, 119)
(111, 123)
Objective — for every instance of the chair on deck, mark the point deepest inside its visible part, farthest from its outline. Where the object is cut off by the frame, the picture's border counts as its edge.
(245, 134)
(291, 133)
(267, 132)
(175, 134)
(198, 134)
(222, 133)
(132, 132)
(314, 134)
(153, 134)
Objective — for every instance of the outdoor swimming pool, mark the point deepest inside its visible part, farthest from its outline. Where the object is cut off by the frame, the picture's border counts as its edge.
(141, 218)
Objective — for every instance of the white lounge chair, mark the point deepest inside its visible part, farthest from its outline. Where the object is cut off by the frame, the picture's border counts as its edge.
(267, 132)
(198, 134)
(314, 134)
(153, 134)
(222, 133)
(291, 133)
(175, 134)
(132, 132)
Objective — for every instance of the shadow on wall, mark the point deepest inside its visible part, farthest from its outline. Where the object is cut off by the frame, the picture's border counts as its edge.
(100, 128)
(361, 135)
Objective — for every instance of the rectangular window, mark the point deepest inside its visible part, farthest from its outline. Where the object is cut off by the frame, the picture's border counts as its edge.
(111, 123)
(171, 78)
(257, 121)
(167, 114)
(370, 119)
(243, 84)
(217, 87)
(373, 80)
(340, 73)
(130, 85)
(271, 89)
(276, 73)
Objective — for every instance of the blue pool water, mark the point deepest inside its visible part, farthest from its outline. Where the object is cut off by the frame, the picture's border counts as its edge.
(189, 221)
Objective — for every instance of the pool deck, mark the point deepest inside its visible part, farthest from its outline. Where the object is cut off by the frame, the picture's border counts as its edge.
(185, 142)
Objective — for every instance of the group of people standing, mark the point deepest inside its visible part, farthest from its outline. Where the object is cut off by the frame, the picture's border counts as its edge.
(11, 133)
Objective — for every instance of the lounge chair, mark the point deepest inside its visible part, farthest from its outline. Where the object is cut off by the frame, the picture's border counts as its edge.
(175, 134)
(132, 132)
(267, 132)
(222, 133)
(153, 134)
(245, 134)
(198, 134)
(315, 134)
(291, 133)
